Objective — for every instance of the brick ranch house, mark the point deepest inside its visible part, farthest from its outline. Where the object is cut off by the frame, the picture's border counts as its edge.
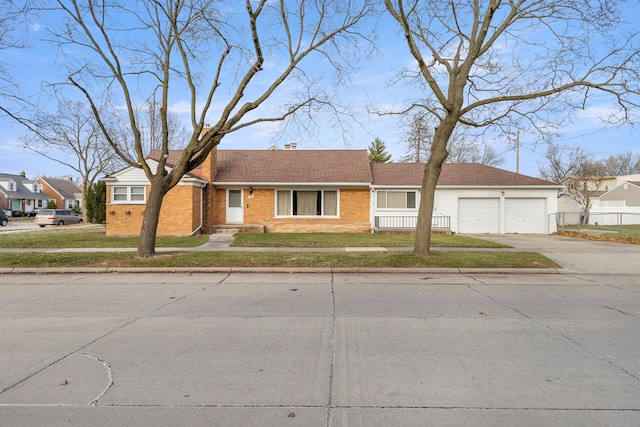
(328, 191)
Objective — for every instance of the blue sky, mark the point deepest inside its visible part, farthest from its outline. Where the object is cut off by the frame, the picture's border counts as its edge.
(370, 86)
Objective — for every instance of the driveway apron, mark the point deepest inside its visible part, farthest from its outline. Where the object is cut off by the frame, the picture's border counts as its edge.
(576, 254)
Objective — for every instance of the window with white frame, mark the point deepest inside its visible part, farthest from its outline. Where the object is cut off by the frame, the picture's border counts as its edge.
(39, 203)
(307, 203)
(396, 199)
(128, 194)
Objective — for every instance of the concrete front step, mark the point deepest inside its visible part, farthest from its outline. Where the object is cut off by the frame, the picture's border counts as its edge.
(237, 228)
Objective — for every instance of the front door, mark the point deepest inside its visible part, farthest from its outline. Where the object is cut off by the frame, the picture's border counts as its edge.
(235, 214)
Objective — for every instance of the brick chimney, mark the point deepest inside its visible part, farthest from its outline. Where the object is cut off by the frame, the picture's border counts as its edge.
(210, 165)
(209, 169)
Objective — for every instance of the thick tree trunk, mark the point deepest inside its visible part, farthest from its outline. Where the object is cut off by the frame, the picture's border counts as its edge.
(147, 240)
(432, 171)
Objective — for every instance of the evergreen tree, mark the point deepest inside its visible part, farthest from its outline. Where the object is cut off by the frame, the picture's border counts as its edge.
(96, 203)
(378, 152)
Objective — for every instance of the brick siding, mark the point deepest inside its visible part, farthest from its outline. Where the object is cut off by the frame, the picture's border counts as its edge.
(179, 215)
(259, 208)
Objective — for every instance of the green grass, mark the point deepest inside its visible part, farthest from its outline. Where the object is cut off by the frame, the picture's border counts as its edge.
(280, 259)
(631, 230)
(87, 238)
(96, 238)
(352, 240)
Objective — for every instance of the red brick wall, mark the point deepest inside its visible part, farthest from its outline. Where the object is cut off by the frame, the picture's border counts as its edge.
(52, 194)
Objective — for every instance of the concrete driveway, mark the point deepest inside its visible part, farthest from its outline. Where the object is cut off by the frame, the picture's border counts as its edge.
(578, 255)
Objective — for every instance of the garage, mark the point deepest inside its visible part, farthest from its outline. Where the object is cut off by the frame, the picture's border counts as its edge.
(525, 215)
(479, 215)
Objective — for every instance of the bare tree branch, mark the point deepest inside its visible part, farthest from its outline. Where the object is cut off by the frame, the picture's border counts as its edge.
(214, 54)
(521, 64)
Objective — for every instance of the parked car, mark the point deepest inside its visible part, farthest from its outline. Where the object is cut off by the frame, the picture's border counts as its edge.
(31, 214)
(57, 217)
(4, 219)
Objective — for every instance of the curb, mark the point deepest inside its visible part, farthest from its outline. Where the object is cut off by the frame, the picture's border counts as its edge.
(292, 270)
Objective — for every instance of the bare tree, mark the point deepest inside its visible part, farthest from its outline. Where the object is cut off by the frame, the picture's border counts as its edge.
(418, 138)
(13, 31)
(575, 169)
(463, 150)
(228, 60)
(463, 147)
(494, 63)
(149, 122)
(71, 136)
(627, 163)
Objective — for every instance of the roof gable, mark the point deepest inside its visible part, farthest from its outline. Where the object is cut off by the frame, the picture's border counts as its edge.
(135, 174)
(21, 191)
(621, 193)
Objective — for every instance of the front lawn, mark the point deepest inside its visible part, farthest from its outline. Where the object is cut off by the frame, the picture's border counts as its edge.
(353, 240)
(87, 238)
(403, 259)
(96, 238)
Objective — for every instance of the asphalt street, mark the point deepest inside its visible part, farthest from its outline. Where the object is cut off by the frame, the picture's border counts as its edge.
(320, 349)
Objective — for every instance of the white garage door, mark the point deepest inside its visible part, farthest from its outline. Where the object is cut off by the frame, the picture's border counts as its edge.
(479, 215)
(525, 215)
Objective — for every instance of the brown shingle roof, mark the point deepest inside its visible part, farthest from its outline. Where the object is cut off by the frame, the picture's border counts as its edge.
(453, 174)
(287, 166)
(296, 166)
(63, 187)
(346, 166)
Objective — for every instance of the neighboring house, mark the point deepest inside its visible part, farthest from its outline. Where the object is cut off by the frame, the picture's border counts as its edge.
(17, 193)
(621, 205)
(571, 211)
(66, 194)
(328, 191)
(611, 182)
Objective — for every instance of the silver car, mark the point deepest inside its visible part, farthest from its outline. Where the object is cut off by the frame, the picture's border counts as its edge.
(57, 217)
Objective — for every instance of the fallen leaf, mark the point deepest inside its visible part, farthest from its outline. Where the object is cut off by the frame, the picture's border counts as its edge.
(291, 414)
(64, 382)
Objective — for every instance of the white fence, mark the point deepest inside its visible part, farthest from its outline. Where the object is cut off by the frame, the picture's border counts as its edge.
(613, 212)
